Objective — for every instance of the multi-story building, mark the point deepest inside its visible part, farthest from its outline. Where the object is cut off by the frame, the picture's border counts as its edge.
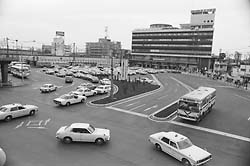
(58, 46)
(165, 46)
(102, 48)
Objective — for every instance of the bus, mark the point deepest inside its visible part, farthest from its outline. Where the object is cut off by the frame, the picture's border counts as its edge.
(21, 71)
(196, 104)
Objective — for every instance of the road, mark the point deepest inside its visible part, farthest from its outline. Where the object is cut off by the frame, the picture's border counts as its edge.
(31, 141)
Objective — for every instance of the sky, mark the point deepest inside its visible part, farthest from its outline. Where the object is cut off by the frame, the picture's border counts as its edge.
(85, 20)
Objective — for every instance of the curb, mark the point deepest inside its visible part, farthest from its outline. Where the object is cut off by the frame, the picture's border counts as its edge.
(132, 97)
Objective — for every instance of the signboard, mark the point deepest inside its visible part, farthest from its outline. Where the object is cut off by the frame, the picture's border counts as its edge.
(59, 33)
(124, 69)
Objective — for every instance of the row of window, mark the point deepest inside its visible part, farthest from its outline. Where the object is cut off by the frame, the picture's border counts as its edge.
(172, 45)
(171, 51)
(173, 34)
(190, 39)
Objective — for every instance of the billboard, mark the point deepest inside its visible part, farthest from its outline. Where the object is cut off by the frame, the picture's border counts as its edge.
(59, 33)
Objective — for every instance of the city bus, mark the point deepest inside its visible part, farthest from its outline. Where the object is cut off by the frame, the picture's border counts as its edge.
(20, 70)
(196, 104)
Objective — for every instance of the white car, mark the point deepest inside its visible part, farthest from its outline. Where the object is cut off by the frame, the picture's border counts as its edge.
(83, 132)
(2, 157)
(48, 88)
(69, 99)
(147, 80)
(105, 81)
(85, 92)
(87, 85)
(180, 147)
(101, 89)
(10, 111)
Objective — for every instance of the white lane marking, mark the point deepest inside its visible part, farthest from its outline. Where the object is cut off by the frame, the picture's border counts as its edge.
(39, 127)
(47, 121)
(20, 125)
(184, 125)
(155, 106)
(132, 103)
(162, 97)
(211, 131)
(242, 97)
(248, 118)
(189, 88)
(172, 115)
(137, 107)
(128, 112)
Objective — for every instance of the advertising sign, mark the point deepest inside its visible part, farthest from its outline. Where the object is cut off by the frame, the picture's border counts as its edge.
(59, 33)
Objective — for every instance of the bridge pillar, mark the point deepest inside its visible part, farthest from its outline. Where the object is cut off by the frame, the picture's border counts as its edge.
(4, 72)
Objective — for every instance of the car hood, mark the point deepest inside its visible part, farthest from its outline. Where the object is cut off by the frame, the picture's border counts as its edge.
(44, 88)
(195, 153)
(99, 131)
(61, 130)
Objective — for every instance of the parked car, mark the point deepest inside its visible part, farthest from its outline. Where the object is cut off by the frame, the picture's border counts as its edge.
(147, 80)
(105, 81)
(68, 79)
(83, 132)
(69, 99)
(87, 85)
(60, 74)
(84, 92)
(102, 89)
(48, 88)
(10, 111)
(180, 147)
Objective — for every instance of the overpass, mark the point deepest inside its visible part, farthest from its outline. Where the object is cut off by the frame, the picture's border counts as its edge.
(4, 61)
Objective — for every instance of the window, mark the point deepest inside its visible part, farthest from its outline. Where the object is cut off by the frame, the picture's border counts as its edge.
(13, 109)
(20, 108)
(166, 140)
(76, 130)
(173, 144)
(85, 131)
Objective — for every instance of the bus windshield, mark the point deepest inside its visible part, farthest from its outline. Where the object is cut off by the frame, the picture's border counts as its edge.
(189, 106)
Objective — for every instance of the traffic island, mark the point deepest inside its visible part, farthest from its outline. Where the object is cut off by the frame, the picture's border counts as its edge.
(165, 113)
(127, 89)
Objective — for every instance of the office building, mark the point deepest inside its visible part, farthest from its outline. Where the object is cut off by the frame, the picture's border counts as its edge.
(165, 46)
(102, 48)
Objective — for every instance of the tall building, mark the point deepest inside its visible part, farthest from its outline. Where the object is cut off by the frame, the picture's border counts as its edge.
(102, 47)
(165, 46)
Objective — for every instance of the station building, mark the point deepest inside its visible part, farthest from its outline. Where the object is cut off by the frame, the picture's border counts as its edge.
(165, 46)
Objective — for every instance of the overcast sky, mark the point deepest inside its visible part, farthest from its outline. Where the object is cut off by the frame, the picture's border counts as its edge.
(85, 20)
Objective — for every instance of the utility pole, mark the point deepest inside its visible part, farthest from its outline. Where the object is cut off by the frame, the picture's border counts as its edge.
(112, 70)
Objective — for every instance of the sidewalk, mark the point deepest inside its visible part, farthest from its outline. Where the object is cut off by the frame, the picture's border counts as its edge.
(222, 80)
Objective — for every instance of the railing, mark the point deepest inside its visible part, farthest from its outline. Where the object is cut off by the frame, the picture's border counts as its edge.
(9, 58)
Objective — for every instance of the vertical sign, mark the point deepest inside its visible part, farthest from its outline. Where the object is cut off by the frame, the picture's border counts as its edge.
(124, 69)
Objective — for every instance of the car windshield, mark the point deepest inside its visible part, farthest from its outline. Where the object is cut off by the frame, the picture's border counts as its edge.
(3, 109)
(91, 128)
(64, 97)
(45, 86)
(189, 106)
(186, 143)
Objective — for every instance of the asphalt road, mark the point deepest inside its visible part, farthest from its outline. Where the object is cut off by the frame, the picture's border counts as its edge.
(27, 145)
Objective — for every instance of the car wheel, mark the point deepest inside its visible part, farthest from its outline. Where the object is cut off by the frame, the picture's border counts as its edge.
(83, 100)
(32, 112)
(99, 141)
(67, 140)
(68, 103)
(94, 94)
(158, 147)
(8, 118)
(186, 162)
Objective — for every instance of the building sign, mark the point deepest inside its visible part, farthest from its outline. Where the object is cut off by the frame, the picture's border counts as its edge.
(59, 33)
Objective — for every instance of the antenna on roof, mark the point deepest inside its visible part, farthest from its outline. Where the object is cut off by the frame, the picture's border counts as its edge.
(106, 32)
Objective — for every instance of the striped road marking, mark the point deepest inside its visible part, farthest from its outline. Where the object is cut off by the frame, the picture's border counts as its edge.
(132, 103)
(162, 97)
(155, 106)
(137, 107)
